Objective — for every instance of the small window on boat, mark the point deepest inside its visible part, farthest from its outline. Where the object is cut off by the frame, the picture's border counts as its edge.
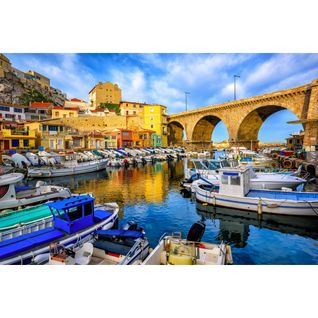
(235, 180)
(3, 190)
(87, 209)
(225, 179)
(75, 213)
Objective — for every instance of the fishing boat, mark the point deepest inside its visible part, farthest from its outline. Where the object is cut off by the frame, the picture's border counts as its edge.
(68, 168)
(75, 220)
(14, 196)
(235, 191)
(173, 250)
(127, 246)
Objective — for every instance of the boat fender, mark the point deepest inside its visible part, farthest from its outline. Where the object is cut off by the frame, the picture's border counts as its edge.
(259, 207)
(38, 259)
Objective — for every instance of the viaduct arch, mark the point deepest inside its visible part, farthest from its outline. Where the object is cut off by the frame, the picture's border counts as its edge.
(244, 118)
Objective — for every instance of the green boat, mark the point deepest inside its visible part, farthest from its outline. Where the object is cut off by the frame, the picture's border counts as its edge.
(17, 218)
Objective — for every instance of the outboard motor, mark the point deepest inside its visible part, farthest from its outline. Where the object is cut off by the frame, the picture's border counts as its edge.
(132, 226)
(196, 232)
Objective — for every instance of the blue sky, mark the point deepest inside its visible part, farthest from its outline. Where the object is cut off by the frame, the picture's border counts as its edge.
(163, 78)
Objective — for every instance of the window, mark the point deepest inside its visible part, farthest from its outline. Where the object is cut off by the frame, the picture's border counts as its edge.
(25, 143)
(140, 106)
(235, 180)
(5, 108)
(151, 118)
(57, 114)
(126, 105)
(44, 127)
(61, 128)
(145, 136)
(9, 116)
(225, 179)
(87, 209)
(41, 111)
(151, 126)
(134, 112)
(134, 106)
(15, 142)
(18, 110)
(125, 133)
(151, 110)
(53, 128)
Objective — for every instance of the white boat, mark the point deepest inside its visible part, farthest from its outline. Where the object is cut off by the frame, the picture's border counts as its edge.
(173, 250)
(20, 161)
(209, 170)
(13, 196)
(69, 168)
(235, 191)
(127, 246)
(75, 220)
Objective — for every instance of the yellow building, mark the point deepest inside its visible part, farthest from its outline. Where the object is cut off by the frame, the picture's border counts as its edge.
(155, 118)
(131, 108)
(17, 139)
(5, 65)
(41, 79)
(61, 112)
(54, 135)
(104, 93)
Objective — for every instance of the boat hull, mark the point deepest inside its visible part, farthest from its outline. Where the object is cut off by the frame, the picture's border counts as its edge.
(67, 171)
(258, 205)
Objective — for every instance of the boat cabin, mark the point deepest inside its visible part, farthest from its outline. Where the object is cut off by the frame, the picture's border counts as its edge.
(235, 181)
(74, 214)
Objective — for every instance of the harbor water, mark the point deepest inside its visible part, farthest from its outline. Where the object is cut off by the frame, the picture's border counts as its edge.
(150, 195)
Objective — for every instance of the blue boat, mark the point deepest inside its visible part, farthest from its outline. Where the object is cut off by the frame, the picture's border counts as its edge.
(75, 220)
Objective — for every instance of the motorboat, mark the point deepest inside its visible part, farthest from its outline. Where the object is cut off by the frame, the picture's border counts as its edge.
(208, 172)
(173, 250)
(235, 191)
(127, 246)
(68, 168)
(75, 220)
(14, 196)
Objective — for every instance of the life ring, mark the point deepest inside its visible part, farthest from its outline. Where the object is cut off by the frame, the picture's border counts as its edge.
(287, 164)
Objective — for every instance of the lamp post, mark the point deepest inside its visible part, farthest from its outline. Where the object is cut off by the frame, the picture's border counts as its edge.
(235, 77)
(186, 99)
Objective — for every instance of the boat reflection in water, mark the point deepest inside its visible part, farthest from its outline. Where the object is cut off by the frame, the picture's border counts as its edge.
(234, 224)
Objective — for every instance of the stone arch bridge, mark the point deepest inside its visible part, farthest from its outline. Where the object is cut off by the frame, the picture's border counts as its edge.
(244, 118)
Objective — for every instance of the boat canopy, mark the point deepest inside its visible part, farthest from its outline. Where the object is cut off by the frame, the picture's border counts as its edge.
(73, 214)
(120, 233)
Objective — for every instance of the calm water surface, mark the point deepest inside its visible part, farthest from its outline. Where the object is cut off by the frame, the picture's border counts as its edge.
(150, 196)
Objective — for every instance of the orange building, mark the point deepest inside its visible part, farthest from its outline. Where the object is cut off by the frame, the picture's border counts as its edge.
(142, 138)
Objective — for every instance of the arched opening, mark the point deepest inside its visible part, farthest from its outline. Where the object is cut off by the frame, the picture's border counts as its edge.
(220, 135)
(206, 126)
(176, 133)
(267, 124)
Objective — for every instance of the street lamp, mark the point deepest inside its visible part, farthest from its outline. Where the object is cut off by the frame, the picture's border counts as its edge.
(186, 99)
(235, 76)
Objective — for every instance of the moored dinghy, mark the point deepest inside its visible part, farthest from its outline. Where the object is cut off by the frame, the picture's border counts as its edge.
(173, 250)
(127, 246)
(13, 196)
(74, 220)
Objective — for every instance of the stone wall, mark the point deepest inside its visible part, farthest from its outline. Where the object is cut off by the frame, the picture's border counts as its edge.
(91, 123)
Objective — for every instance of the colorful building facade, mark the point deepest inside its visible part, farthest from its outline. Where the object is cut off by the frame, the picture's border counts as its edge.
(61, 112)
(104, 93)
(142, 138)
(15, 136)
(155, 118)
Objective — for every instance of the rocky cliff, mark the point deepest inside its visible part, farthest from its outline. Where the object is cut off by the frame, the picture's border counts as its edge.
(13, 87)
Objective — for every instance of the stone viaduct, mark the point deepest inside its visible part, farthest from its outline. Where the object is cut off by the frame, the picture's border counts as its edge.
(244, 118)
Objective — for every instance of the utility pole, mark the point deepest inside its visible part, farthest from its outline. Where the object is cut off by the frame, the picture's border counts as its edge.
(235, 77)
(186, 99)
